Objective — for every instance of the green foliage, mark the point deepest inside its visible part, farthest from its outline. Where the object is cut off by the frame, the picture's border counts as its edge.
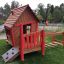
(50, 18)
(57, 14)
(7, 10)
(53, 14)
(41, 10)
(63, 19)
(52, 9)
(1, 12)
(1, 21)
(14, 4)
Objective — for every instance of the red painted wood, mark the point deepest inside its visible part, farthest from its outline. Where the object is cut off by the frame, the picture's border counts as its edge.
(24, 23)
(42, 42)
(37, 26)
(37, 35)
(27, 40)
(31, 41)
(28, 43)
(35, 39)
(31, 27)
(12, 37)
(21, 43)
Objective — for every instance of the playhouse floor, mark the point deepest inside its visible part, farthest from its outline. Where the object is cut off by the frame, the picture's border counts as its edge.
(53, 55)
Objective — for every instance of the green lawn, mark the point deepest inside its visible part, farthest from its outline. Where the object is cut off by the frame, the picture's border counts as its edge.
(1, 21)
(52, 56)
(59, 37)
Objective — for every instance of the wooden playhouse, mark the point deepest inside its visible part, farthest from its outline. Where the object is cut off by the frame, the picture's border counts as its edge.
(22, 31)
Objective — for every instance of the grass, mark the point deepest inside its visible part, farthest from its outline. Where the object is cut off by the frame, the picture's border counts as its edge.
(48, 39)
(1, 21)
(53, 55)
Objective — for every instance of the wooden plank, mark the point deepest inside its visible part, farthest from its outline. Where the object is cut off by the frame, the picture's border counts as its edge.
(27, 37)
(11, 54)
(11, 19)
(11, 23)
(52, 33)
(32, 50)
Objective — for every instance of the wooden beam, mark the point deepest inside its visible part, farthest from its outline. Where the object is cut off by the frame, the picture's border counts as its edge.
(21, 43)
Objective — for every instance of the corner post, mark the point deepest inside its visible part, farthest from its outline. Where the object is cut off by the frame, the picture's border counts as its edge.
(21, 43)
(42, 42)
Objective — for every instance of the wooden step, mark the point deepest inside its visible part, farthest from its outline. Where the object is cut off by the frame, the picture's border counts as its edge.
(11, 54)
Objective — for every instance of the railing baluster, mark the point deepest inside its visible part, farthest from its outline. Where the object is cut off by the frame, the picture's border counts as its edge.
(28, 44)
(25, 42)
(32, 40)
(31, 43)
(35, 40)
(38, 43)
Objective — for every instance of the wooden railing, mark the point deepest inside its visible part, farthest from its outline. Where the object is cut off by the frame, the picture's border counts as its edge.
(53, 36)
(32, 40)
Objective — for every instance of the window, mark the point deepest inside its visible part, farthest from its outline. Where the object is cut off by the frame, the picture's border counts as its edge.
(26, 28)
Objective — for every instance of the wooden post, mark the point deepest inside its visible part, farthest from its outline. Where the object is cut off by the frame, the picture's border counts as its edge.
(31, 27)
(37, 26)
(35, 39)
(63, 39)
(12, 35)
(21, 43)
(31, 41)
(27, 37)
(53, 38)
(42, 42)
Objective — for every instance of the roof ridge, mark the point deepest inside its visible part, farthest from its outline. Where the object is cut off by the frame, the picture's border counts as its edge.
(20, 7)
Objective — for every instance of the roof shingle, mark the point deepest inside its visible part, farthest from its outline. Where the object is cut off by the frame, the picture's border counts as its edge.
(13, 17)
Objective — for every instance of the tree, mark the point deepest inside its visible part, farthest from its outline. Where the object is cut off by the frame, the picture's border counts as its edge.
(47, 11)
(57, 14)
(41, 11)
(52, 9)
(62, 11)
(7, 10)
(50, 14)
(1, 12)
(14, 4)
